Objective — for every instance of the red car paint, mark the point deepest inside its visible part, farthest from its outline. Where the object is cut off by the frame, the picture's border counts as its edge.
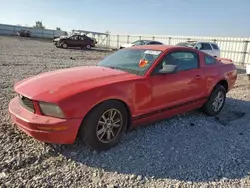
(148, 98)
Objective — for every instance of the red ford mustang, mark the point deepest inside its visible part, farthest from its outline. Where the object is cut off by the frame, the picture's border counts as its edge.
(129, 87)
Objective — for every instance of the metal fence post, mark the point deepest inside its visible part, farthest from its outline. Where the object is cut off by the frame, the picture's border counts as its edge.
(169, 40)
(128, 39)
(244, 52)
(107, 41)
(117, 41)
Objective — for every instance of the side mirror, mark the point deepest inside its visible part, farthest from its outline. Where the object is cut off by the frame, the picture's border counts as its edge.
(168, 69)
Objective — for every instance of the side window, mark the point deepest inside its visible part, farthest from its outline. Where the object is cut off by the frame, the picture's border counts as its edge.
(205, 46)
(82, 37)
(215, 46)
(210, 60)
(184, 60)
(75, 37)
(151, 43)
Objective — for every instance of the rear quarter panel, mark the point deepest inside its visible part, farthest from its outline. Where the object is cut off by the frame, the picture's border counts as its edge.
(214, 73)
(218, 72)
(229, 72)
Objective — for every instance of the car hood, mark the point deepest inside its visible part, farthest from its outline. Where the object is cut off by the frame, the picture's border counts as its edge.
(56, 85)
(64, 37)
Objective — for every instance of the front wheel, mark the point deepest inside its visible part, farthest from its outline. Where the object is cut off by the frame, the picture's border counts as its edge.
(104, 126)
(216, 101)
(64, 45)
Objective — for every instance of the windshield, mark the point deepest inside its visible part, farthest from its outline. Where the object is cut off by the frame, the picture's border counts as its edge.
(188, 44)
(135, 61)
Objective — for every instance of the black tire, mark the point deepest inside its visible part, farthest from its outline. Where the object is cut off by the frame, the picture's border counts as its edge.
(64, 45)
(248, 77)
(89, 128)
(88, 46)
(208, 106)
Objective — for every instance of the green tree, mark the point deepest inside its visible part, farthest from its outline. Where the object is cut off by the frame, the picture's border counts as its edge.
(39, 24)
(58, 28)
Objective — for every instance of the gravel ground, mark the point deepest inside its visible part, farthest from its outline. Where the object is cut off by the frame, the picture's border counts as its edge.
(189, 150)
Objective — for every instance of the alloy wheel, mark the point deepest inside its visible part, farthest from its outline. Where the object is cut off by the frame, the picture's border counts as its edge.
(109, 125)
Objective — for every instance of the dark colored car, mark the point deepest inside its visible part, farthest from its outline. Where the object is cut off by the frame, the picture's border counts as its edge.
(23, 33)
(81, 41)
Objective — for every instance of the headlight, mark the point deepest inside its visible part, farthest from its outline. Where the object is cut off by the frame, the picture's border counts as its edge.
(50, 109)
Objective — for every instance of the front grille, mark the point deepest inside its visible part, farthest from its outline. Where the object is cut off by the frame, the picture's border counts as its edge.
(26, 103)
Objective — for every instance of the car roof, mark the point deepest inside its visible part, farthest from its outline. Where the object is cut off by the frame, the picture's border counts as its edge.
(158, 47)
(148, 40)
(195, 41)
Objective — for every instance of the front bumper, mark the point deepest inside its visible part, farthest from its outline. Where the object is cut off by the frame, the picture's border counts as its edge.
(44, 128)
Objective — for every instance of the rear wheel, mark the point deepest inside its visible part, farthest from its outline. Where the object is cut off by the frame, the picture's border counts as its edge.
(104, 126)
(88, 47)
(216, 101)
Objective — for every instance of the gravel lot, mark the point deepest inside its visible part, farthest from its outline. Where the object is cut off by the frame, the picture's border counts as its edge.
(190, 150)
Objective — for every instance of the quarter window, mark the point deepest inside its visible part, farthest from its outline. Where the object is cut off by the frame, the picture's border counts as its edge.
(210, 60)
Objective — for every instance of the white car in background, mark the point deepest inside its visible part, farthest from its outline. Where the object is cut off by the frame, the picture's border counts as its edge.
(207, 47)
(141, 42)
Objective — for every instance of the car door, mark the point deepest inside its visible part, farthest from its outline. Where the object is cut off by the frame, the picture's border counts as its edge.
(170, 91)
(72, 41)
(216, 50)
(84, 40)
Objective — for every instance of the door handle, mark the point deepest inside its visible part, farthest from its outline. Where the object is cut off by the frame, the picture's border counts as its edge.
(197, 77)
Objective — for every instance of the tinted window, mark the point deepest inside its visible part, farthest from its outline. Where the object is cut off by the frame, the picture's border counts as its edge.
(82, 37)
(210, 60)
(215, 47)
(129, 60)
(184, 60)
(154, 42)
(205, 46)
(75, 37)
